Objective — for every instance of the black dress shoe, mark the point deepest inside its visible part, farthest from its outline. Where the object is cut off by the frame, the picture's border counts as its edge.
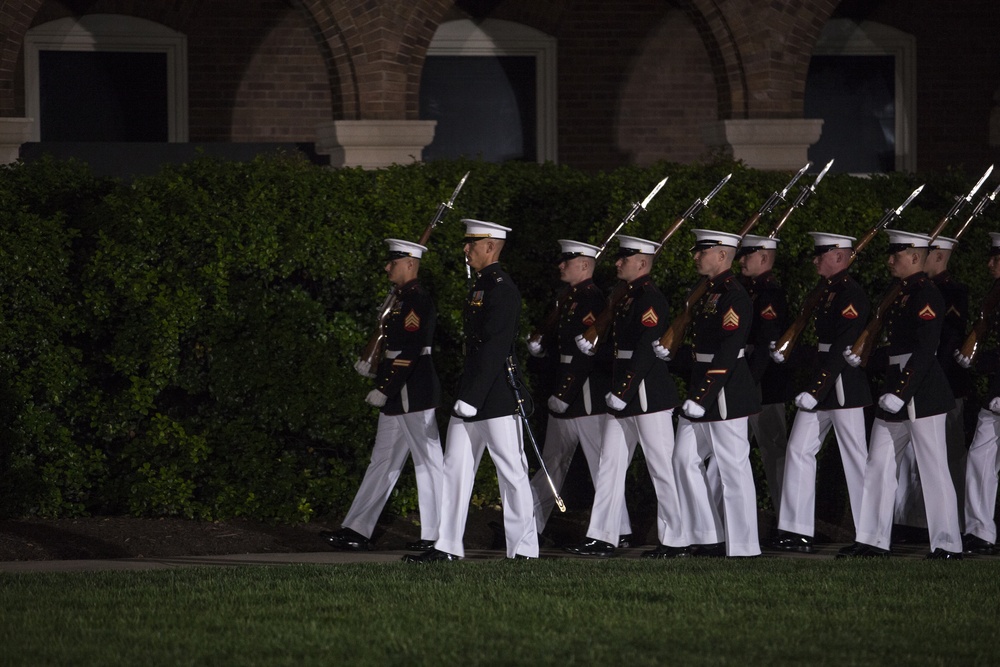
(792, 542)
(717, 550)
(432, 556)
(665, 552)
(941, 554)
(346, 539)
(523, 557)
(625, 541)
(859, 550)
(972, 544)
(592, 548)
(420, 545)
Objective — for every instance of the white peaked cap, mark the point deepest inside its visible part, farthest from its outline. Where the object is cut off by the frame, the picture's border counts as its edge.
(478, 229)
(827, 240)
(910, 239)
(753, 241)
(569, 247)
(631, 245)
(709, 238)
(399, 248)
(944, 243)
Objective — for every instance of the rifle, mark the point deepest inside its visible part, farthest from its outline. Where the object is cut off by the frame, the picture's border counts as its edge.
(674, 334)
(602, 323)
(978, 332)
(784, 345)
(372, 352)
(863, 345)
(552, 319)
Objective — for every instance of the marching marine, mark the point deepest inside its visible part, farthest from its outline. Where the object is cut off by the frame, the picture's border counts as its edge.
(721, 396)
(912, 410)
(834, 398)
(407, 391)
(484, 416)
(576, 407)
(641, 402)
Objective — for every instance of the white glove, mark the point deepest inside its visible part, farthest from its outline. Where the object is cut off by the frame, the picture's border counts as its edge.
(964, 362)
(852, 359)
(660, 351)
(891, 403)
(995, 405)
(692, 409)
(363, 368)
(535, 348)
(778, 357)
(806, 401)
(585, 345)
(614, 402)
(463, 409)
(557, 405)
(376, 398)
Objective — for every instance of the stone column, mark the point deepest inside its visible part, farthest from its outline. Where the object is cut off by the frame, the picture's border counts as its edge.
(371, 144)
(13, 133)
(776, 145)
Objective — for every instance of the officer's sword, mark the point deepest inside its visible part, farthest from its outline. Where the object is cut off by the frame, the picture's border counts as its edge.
(515, 386)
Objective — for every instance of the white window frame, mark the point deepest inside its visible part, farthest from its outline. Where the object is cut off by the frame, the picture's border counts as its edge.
(843, 37)
(493, 37)
(111, 32)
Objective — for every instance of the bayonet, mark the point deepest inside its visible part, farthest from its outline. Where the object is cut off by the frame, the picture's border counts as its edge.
(981, 206)
(630, 215)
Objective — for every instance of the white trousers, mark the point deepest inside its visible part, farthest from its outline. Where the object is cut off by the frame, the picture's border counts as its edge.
(798, 492)
(397, 436)
(561, 439)
(706, 520)
(465, 443)
(621, 434)
(981, 478)
(927, 436)
(771, 433)
(909, 510)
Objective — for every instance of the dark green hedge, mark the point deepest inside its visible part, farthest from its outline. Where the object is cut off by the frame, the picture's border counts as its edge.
(182, 345)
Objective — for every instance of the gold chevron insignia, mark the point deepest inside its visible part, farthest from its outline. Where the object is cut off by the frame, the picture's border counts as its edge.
(589, 319)
(412, 322)
(769, 313)
(650, 318)
(730, 320)
(849, 312)
(927, 313)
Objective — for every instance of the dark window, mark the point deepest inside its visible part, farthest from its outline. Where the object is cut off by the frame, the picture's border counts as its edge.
(485, 107)
(102, 96)
(855, 96)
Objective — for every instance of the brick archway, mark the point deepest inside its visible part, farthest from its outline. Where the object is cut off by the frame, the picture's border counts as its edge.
(760, 51)
(374, 53)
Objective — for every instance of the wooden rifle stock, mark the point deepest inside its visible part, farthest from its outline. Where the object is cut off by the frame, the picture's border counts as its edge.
(979, 328)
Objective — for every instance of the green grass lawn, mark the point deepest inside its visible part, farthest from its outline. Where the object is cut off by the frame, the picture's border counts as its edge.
(766, 611)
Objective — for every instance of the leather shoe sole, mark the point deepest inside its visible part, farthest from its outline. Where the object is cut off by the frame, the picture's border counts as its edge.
(941, 554)
(663, 552)
(346, 539)
(420, 545)
(797, 543)
(859, 550)
(592, 548)
(432, 556)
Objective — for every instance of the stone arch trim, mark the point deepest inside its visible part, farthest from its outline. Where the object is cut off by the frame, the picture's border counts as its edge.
(760, 51)
(374, 52)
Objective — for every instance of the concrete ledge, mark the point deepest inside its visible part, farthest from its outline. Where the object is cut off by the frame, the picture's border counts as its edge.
(777, 145)
(372, 144)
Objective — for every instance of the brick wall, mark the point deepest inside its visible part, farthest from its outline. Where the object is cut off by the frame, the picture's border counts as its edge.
(255, 73)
